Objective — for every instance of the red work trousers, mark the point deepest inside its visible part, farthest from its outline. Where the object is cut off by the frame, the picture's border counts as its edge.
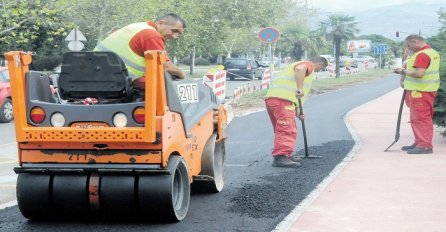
(282, 113)
(421, 114)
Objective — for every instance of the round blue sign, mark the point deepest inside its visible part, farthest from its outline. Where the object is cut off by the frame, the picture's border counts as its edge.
(268, 35)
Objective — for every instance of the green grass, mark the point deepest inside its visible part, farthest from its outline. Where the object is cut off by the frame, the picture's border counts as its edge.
(329, 84)
(255, 99)
(199, 71)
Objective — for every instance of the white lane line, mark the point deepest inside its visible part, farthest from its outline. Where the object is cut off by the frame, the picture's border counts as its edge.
(8, 204)
(8, 179)
(9, 162)
(8, 144)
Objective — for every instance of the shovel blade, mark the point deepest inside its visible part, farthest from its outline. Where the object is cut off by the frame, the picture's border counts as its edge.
(391, 145)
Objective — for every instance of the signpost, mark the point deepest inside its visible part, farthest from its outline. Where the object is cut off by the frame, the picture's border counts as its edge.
(380, 49)
(75, 37)
(269, 35)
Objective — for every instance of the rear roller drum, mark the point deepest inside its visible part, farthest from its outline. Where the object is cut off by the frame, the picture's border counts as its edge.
(33, 195)
(165, 197)
(70, 196)
(118, 199)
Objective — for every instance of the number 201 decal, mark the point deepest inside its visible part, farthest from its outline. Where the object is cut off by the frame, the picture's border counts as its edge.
(188, 92)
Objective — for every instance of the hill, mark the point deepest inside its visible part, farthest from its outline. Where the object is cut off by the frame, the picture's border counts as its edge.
(406, 18)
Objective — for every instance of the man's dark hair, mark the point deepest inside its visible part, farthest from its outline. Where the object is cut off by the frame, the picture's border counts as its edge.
(414, 37)
(319, 59)
(172, 18)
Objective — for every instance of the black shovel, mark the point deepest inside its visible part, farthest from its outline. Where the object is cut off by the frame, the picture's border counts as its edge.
(398, 122)
(305, 132)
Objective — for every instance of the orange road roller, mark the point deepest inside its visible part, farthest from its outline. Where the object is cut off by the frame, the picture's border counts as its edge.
(92, 146)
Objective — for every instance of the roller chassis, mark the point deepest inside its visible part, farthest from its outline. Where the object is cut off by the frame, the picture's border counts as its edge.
(90, 168)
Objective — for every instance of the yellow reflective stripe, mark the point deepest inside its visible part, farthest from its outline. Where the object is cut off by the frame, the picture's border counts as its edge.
(431, 72)
(416, 80)
(128, 62)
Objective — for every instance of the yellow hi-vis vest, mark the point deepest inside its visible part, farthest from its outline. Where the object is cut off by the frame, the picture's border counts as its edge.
(430, 82)
(118, 42)
(283, 85)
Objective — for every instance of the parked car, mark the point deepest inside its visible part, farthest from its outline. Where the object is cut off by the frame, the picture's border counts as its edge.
(266, 61)
(243, 68)
(6, 114)
(362, 58)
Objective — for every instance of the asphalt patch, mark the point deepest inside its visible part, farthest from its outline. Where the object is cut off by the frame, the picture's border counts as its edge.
(277, 195)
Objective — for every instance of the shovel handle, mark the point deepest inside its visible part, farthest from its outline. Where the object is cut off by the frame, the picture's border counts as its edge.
(303, 126)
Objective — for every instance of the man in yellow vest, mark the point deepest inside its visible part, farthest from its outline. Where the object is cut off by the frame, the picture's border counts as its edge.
(132, 41)
(287, 86)
(421, 79)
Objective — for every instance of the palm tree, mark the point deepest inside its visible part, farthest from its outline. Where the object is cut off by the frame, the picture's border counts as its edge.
(302, 41)
(339, 28)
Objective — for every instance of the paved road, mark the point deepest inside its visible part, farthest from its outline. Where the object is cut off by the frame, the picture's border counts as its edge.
(8, 159)
(256, 196)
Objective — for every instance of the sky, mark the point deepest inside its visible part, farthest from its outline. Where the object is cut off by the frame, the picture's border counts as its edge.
(359, 5)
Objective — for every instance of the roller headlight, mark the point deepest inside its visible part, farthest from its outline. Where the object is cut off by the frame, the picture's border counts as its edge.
(120, 120)
(57, 120)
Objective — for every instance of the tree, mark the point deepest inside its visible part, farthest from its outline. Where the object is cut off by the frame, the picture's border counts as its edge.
(297, 39)
(339, 28)
(33, 25)
(307, 43)
(98, 18)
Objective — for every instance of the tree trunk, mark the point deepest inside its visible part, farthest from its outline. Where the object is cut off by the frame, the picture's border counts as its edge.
(337, 44)
(192, 62)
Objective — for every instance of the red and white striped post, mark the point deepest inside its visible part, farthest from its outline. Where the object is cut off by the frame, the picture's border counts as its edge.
(217, 82)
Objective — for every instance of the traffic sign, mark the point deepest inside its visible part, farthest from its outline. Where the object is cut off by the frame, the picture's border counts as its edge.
(268, 35)
(75, 35)
(380, 49)
(75, 45)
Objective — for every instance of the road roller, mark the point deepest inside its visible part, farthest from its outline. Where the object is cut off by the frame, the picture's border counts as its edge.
(90, 145)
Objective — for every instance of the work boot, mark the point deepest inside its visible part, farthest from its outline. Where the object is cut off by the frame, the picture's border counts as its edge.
(283, 162)
(406, 148)
(420, 150)
(294, 158)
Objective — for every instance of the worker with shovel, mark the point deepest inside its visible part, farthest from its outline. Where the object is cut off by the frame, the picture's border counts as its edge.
(289, 85)
(421, 81)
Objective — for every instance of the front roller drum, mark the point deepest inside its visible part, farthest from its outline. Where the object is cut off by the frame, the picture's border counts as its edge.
(165, 197)
(212, 175)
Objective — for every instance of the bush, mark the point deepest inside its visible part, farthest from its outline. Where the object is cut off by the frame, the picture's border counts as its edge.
(45, 62)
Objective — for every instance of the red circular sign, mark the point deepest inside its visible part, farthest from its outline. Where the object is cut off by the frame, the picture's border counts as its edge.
(268, 35)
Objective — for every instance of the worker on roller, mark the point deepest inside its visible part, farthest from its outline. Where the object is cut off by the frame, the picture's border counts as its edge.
(130, 43)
